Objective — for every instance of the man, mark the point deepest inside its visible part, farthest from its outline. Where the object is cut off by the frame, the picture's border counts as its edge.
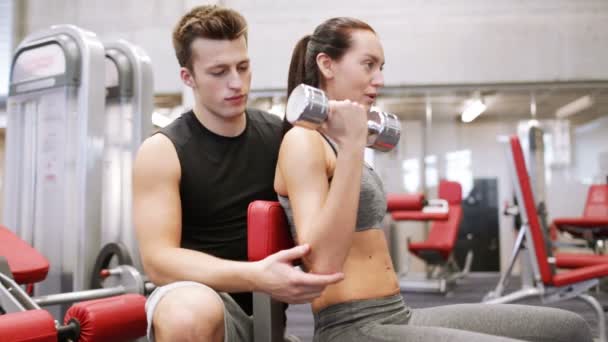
(192, 184)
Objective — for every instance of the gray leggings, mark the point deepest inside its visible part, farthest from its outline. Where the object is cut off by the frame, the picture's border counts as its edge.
(389, 319)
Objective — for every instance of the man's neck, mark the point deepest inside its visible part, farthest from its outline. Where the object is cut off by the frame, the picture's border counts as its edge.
(227, 127)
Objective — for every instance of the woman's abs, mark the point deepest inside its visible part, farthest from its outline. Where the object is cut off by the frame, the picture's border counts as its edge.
(368, 272)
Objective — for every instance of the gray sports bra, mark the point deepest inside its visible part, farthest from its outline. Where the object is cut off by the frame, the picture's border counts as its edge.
(372, 200)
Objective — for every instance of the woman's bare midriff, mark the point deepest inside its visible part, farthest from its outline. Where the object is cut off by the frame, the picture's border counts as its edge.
(368, 272)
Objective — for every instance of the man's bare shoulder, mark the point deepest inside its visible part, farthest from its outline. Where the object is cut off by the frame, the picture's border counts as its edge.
(157, 157)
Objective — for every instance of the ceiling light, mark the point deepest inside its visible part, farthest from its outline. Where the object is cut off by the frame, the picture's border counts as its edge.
(574, 107)
(473, 110)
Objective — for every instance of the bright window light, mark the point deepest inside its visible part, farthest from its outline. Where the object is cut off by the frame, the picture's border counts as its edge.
(277, 109)
(411, 176)
(6, 41)
(459, 168)
(432, 174)
(160, 120)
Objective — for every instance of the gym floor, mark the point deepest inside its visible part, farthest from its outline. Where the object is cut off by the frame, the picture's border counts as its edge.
(469, 290)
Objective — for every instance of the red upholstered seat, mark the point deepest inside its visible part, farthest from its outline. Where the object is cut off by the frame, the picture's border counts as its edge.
(26, 264)
(28, 326)
(409, 207)
(580, 274)
(593, 224)
(575, 260)
(267, 233)
(597, 201)
(443, 234)
(267, 230)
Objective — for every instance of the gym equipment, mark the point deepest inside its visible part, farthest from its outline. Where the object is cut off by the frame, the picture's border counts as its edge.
(267, 233)
(308, 107)
(129, 105)
(32, 266)
(54, 148)
(123, 279)
(593, 225)
(546, 283)
(120, 318)
(437, 251)
(116, 318)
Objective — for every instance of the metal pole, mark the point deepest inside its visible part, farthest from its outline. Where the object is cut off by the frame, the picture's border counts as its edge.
(69, 297)
(426, 133)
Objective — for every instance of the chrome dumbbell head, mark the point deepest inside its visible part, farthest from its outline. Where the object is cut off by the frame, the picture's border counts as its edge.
(384, 130)
(307, 106)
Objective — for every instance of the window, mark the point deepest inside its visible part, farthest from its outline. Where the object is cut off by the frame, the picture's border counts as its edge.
(432, 175)
(458, 169)
(6, 48)
(411, 174)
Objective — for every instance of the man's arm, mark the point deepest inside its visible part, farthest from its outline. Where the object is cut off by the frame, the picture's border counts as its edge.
(157, 218)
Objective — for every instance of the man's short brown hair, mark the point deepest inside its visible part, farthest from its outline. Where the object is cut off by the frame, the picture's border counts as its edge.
(209, 21)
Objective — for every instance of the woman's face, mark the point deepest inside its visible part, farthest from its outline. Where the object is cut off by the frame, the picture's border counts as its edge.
(357, 76)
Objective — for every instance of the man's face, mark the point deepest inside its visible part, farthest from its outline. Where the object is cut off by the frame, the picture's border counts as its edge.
(221, 76)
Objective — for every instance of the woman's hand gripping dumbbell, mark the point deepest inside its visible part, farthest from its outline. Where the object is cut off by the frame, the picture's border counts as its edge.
(309, 107)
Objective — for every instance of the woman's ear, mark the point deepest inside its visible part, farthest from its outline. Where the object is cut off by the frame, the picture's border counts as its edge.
(187, 77)
(326, 65)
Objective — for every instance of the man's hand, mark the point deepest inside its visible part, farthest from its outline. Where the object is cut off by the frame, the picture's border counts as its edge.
(278, 277)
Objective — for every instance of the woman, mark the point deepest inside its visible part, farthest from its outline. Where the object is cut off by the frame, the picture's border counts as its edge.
(335, 203)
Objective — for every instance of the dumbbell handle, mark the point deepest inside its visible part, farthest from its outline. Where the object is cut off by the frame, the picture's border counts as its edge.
(309, 107)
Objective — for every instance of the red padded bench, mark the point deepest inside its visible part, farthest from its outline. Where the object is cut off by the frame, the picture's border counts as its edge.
(411, 207)
(30, 326)
(445, 216)
(267, 233)
(552, 286)
(118, 318)
(25, 263)
(438, 247)
(593, 225)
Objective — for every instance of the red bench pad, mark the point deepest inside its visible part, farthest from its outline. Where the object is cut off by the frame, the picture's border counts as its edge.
(404, 215)
(26, 264)
(28, 326)
(580, 274)
(576, 260)
(120, 318)
(443, 234)
(399, 202)
(267, 230)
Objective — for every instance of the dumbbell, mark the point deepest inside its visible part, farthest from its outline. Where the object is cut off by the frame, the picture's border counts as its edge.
(308, 107)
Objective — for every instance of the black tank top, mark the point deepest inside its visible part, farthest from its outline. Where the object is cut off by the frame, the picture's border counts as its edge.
(220, 176)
